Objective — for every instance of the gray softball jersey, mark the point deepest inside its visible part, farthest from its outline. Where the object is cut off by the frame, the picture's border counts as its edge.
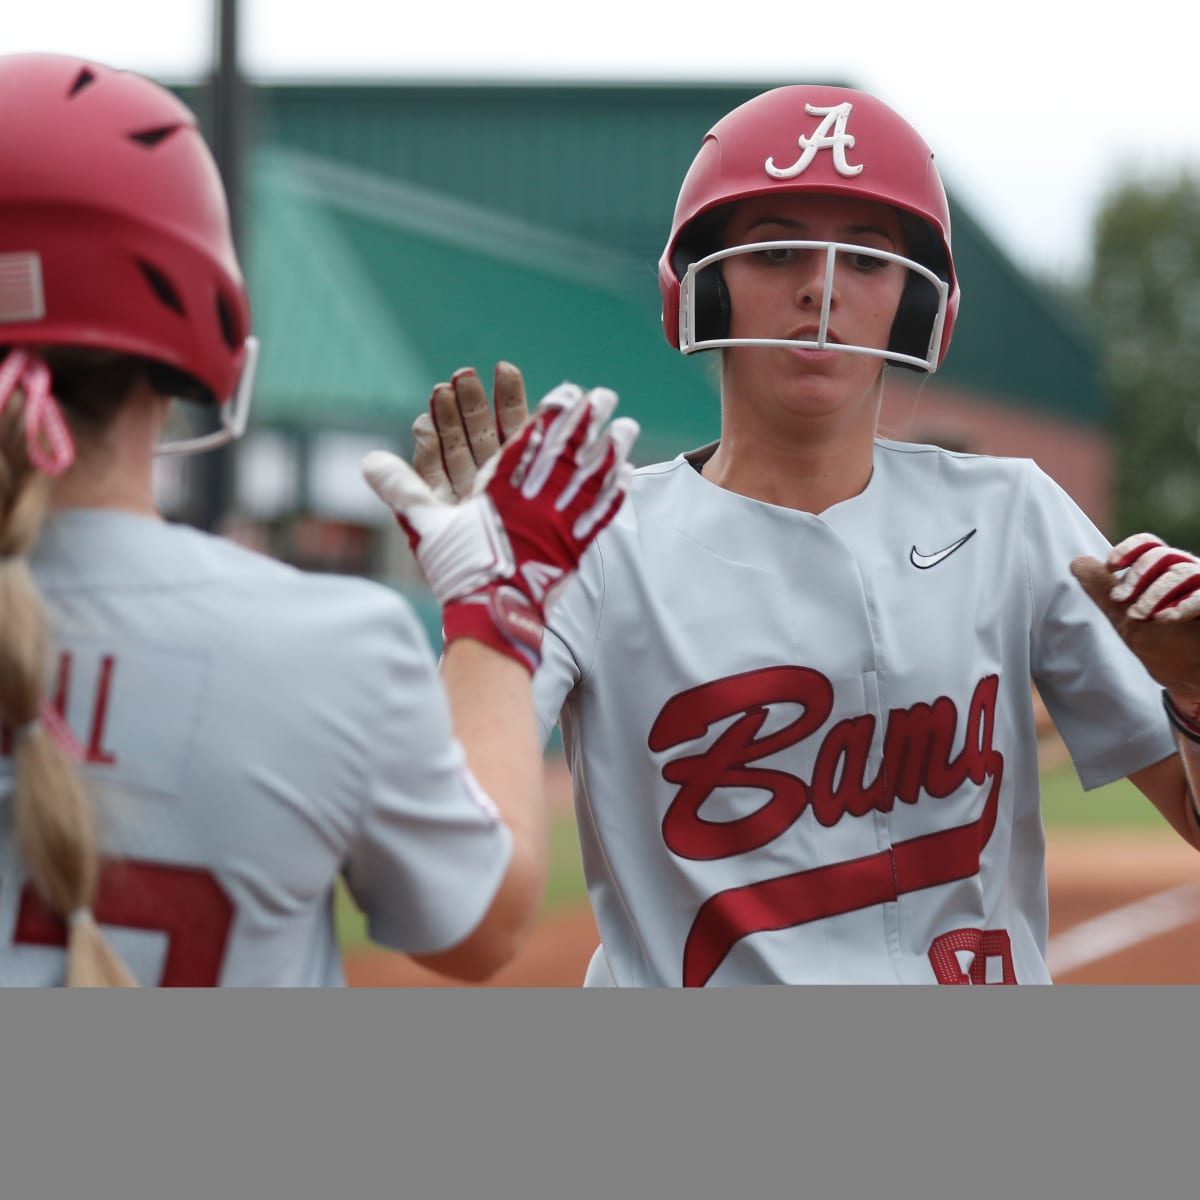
(251, 733)
(803, 746)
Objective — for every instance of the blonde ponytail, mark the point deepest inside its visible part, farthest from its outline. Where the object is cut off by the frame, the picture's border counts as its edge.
(54, 822)
(91, 961)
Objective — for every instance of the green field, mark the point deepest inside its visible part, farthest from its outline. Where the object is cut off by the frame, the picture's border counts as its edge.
(1065, 806)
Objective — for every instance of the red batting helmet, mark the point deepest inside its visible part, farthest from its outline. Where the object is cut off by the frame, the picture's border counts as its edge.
(808, 138)
(114, 227)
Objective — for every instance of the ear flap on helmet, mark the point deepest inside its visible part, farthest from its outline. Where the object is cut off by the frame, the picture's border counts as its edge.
(917, 314)
(710, 297)
(913, 326)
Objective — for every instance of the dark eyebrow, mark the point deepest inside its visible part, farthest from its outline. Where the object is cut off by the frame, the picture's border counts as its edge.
(786, 222)
(883, 233)
(790, 223)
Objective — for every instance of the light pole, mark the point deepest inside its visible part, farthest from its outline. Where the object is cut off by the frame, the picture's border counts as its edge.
(228, 109)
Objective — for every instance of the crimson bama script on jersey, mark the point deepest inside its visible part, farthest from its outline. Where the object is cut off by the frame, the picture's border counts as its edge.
(917, 759)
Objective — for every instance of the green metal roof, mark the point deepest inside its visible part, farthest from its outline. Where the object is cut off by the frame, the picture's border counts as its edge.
(367, 293)
(330, 345)
(455, 224)
(603, 163)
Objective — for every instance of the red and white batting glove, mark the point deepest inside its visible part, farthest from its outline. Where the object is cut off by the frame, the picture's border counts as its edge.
(1160, 583)
(497, 560)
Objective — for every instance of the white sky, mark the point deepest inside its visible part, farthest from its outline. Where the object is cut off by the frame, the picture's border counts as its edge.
(1033, 107)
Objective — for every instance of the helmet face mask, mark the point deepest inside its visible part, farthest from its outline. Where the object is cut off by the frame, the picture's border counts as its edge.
(114, 218)
(233, 415)
(821, 141)
(696, 297)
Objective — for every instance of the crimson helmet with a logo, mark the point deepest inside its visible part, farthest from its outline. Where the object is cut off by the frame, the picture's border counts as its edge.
(115, 231)
(805, 139)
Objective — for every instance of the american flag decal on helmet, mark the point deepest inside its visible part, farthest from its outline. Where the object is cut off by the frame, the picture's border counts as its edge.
(21, 297)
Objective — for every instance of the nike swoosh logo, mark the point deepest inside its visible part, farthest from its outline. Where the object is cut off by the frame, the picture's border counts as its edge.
(924, 561)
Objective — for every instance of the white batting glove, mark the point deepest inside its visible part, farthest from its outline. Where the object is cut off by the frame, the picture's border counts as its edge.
(1160, 582)
(497, 560)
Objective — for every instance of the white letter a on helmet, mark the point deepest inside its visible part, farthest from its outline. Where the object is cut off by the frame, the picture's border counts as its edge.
(830, 135)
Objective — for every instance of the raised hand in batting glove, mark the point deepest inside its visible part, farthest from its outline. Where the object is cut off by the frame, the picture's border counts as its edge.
(1151, 593)
(497, 559)
(460, 432)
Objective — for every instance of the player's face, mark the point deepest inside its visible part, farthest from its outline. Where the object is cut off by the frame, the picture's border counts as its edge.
(778, 294)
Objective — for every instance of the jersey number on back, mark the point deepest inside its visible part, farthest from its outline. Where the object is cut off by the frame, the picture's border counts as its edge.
(188, 904)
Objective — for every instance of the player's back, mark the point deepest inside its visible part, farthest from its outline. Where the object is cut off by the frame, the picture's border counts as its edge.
(232, 713)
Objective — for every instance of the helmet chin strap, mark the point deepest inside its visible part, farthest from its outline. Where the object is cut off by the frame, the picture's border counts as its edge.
(896, 432)
(878, 398)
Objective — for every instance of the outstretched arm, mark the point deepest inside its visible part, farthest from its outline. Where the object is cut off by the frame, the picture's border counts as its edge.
(1151, 594)
(491, 705)
(496, 561)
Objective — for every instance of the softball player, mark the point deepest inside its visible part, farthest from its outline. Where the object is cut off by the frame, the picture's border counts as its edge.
(247, 733)
(794, 678)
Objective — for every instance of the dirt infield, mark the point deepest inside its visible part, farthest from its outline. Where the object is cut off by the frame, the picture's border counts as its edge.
(1094, 880)
(1124, 909)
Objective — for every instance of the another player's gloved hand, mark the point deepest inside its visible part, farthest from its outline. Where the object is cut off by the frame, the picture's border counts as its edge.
(1151, 593)
(460, 433)
(497, 560)
(1160, 582)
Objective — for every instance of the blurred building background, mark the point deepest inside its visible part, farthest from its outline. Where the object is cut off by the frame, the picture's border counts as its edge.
(393, 233)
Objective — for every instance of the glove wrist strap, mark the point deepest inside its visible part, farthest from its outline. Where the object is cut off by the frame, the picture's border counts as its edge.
(501, 617)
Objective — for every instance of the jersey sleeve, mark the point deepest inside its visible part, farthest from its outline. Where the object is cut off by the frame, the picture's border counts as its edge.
(569, 645)
(431, 849)
(1102, 700)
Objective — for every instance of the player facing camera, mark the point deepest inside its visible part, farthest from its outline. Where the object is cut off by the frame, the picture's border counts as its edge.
(793, 683)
